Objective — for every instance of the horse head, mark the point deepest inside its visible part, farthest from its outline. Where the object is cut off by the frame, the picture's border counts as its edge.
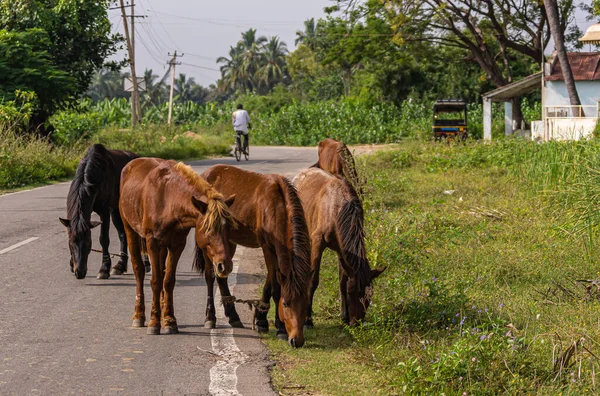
(80, 245)
(212, 233)
(359, 298)
(293, 311)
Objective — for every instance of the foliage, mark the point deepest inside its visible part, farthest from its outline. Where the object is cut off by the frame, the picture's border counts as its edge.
(77, 37)
(26, 65)
(71, 126)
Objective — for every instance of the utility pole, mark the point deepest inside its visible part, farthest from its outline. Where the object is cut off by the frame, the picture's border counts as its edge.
(172, 64)
(136, 109)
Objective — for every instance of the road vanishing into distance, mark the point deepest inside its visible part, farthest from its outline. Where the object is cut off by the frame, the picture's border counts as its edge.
(63, 336)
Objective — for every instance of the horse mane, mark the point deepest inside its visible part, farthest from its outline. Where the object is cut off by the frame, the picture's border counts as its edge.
(87, 182)
(297, 283)
(348, 165)
(351, 233)
(217, 213)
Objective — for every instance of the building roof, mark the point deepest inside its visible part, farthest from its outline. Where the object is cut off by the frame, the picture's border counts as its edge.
(592, 35)
(514, 89)
(584, 65)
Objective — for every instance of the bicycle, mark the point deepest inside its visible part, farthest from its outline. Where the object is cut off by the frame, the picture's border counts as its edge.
(237, 151)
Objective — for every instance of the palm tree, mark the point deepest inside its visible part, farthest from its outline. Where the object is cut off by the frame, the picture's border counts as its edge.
(251, 46)
(273, 63)
(233, 74)
(307, 37)
(183, 87)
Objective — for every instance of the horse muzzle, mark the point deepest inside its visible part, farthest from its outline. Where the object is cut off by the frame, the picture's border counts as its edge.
(296, 342)
(80, 274)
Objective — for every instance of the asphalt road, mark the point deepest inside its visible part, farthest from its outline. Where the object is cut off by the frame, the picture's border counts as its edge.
(62, 336)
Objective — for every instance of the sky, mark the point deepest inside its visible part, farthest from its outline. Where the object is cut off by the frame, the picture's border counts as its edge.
(204, 30)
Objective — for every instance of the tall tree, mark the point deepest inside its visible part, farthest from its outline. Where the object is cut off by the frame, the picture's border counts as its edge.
(497, 33)
(78, 34)
(251, 46)
(233, 72)
(273, 63)
(307, 37)
(559, 45)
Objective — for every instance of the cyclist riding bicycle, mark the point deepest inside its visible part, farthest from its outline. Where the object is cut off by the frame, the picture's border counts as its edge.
(241, 124)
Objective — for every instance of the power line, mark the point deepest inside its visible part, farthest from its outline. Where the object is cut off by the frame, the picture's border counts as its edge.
(200, 67)
(161, 24)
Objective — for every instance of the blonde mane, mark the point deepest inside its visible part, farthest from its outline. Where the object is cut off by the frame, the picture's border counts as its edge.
(217, 213)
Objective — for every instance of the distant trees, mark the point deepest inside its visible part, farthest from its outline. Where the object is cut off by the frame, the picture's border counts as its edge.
(254, 63)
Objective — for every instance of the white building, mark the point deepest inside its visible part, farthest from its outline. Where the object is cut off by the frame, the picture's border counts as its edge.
(560, 120)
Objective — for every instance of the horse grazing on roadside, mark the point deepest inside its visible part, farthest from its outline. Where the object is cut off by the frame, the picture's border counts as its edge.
(335, 158)
(160, 202)
(270, 216)
(335, 218)
(95, 188)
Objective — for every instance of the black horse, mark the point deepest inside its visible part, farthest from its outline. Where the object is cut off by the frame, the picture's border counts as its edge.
(96, 188)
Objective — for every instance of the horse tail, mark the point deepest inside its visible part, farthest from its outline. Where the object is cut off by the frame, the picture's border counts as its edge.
(351, 239)
(198, 263)
(300, 273)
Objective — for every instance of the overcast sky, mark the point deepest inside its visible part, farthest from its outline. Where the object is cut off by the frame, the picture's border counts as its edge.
(204, 30)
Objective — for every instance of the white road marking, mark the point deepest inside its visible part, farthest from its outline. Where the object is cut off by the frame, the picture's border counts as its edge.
(18, 245)
(223, 378)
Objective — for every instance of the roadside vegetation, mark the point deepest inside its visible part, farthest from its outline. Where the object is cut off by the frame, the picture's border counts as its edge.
(485, 248)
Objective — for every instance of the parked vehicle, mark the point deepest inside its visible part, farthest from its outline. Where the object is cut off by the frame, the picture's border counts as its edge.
(450, 119)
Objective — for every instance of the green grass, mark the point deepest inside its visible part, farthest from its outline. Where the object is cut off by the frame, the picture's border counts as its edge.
(479, 294)
(29, 160)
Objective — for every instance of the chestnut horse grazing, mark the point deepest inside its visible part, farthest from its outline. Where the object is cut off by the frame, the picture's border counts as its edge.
(334, 215)
(160, 202)
(270, 216)
(335, 158)
(95, 188)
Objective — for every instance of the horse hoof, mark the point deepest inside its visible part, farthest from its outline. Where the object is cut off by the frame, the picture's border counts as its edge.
(103, 275)
(116, 271)
(282, 336)
(172, 329)
(153, 330)
(262, 329)
(210, 324)
(148, 267)
(138, 323)
(237, 324)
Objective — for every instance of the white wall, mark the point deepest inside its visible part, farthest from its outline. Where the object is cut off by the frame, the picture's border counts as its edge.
(556, 93)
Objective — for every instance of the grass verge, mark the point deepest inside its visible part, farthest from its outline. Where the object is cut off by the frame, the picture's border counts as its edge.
(31, 160)
(480, 295)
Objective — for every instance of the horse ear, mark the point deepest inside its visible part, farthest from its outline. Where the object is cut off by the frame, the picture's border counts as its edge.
(377, 271)
(94, 224)
(65, 222)
(229, 201)
(200, 205)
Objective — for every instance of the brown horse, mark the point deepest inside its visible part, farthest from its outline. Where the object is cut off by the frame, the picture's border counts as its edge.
(335, 158)
(334, 215)
(160, 202)
(270, 216)
(95, 188)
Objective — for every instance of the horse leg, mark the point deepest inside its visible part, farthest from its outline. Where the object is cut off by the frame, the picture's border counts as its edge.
(262, 324)
(272, 265)
(156, 283)
(121, 266)
(230, 312)
(315, 264)
(169, 321)
(139, 315)
(211, 317)
(104, 272)
(343, 277)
